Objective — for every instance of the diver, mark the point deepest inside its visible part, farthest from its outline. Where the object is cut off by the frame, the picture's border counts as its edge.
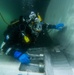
(38, 26)
(17, 40)
(22, 34)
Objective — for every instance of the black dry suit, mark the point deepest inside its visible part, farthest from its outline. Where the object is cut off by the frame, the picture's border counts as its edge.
(16, 32)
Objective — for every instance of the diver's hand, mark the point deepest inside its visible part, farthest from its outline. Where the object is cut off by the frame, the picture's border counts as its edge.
(23, 58)
(59, 26)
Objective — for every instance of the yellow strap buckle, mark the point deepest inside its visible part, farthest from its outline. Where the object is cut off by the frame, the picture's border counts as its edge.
(26, 38)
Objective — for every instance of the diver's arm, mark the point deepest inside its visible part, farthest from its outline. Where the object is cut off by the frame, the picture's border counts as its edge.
(18, 54)
(50, 26)
(57, 26)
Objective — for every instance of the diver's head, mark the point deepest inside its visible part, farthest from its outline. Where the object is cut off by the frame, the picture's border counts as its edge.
(37, 25)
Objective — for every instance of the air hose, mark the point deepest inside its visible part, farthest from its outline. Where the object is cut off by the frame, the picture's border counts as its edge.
(3, 19)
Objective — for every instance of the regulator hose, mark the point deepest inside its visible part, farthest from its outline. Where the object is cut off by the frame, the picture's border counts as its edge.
(3, 19)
